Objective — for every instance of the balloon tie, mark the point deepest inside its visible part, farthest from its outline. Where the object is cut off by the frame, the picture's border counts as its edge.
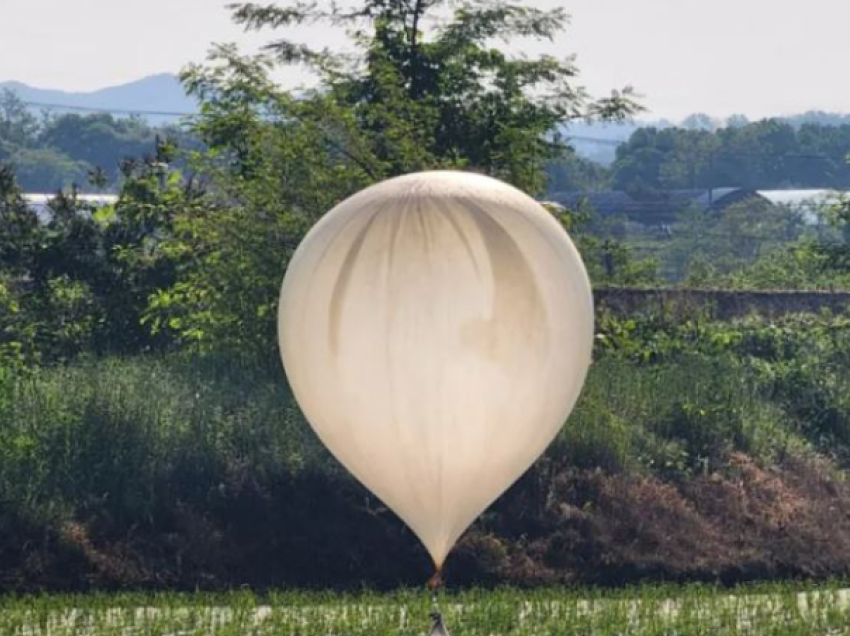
(435, 583)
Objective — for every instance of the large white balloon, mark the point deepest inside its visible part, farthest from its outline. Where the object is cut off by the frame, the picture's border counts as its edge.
(436, 330)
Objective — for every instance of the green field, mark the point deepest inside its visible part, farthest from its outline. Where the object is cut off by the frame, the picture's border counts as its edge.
(773, 609)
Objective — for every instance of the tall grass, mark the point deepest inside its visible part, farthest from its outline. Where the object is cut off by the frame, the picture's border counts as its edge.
(181, 470)
(116, 435)
(676, 417)
(112, 434)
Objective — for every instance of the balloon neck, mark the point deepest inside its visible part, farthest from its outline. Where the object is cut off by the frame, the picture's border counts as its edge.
(436, 581)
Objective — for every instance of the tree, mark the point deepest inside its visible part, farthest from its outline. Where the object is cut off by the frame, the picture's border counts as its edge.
(570, 173)
(46, 170)
(444, 96)
(43, 313)
(99, 140)
(57, 152)
(809, 261)
(654, 160)
(737, 121)
(18, 127)
(408, 98)
(769, 154)
(699, 121)
(802, 264)
(78, 279)
(836, 253)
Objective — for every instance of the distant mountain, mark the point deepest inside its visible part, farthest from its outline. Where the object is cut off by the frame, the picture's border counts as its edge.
(160, 93)
(164, 93)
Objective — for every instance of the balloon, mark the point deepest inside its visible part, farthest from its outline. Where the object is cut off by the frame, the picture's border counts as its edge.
(436, 330)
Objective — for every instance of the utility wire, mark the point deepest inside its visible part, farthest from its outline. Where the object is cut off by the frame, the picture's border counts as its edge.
(715, 153)
(585, 138)
(108, 111)
(597, 140)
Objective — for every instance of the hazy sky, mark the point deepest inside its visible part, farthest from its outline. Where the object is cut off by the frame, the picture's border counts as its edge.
(757, 57)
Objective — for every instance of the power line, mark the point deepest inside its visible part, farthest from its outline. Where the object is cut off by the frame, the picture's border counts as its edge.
(108, 111)
(784, 155)
(584, 138)
(597, 140)
(714, 153)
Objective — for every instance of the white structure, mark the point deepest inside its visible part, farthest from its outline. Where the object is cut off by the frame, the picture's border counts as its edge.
(810, 203)
(41, 202)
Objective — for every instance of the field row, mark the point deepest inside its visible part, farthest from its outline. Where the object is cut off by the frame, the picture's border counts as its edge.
(774, 610)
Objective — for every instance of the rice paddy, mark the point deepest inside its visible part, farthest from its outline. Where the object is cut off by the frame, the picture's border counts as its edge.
(778, 610)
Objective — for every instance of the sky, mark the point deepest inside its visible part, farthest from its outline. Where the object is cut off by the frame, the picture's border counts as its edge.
(755, 57)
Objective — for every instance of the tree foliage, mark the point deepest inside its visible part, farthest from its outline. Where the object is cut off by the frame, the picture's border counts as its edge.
(78, 280)
(445, 96)
(408, 97)
(55, 152)
(769, 154)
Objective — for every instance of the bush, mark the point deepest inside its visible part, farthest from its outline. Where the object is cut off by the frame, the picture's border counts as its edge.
(672, 417)
(200, 470)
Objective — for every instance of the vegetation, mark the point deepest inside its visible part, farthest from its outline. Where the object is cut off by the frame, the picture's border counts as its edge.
(201, 257)
(55, 152)
(199, 470)
(147, 436)
(749, 245)
(78, 282)
(782, 610)
(765, 155)
(804, 152)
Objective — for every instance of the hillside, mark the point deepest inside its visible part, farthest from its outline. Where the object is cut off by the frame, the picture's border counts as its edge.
(700, 450)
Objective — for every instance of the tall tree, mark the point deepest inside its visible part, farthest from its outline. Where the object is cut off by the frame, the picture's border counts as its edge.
(768, 154)
(425, 84)
(450, 94)
(18, 127)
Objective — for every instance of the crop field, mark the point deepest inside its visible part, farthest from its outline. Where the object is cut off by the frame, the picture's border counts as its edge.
(780, 610)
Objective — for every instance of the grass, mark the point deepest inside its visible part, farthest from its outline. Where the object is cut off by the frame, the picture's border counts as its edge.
(115, 433)
(777, 610)
(109, 433)
(184, 472)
